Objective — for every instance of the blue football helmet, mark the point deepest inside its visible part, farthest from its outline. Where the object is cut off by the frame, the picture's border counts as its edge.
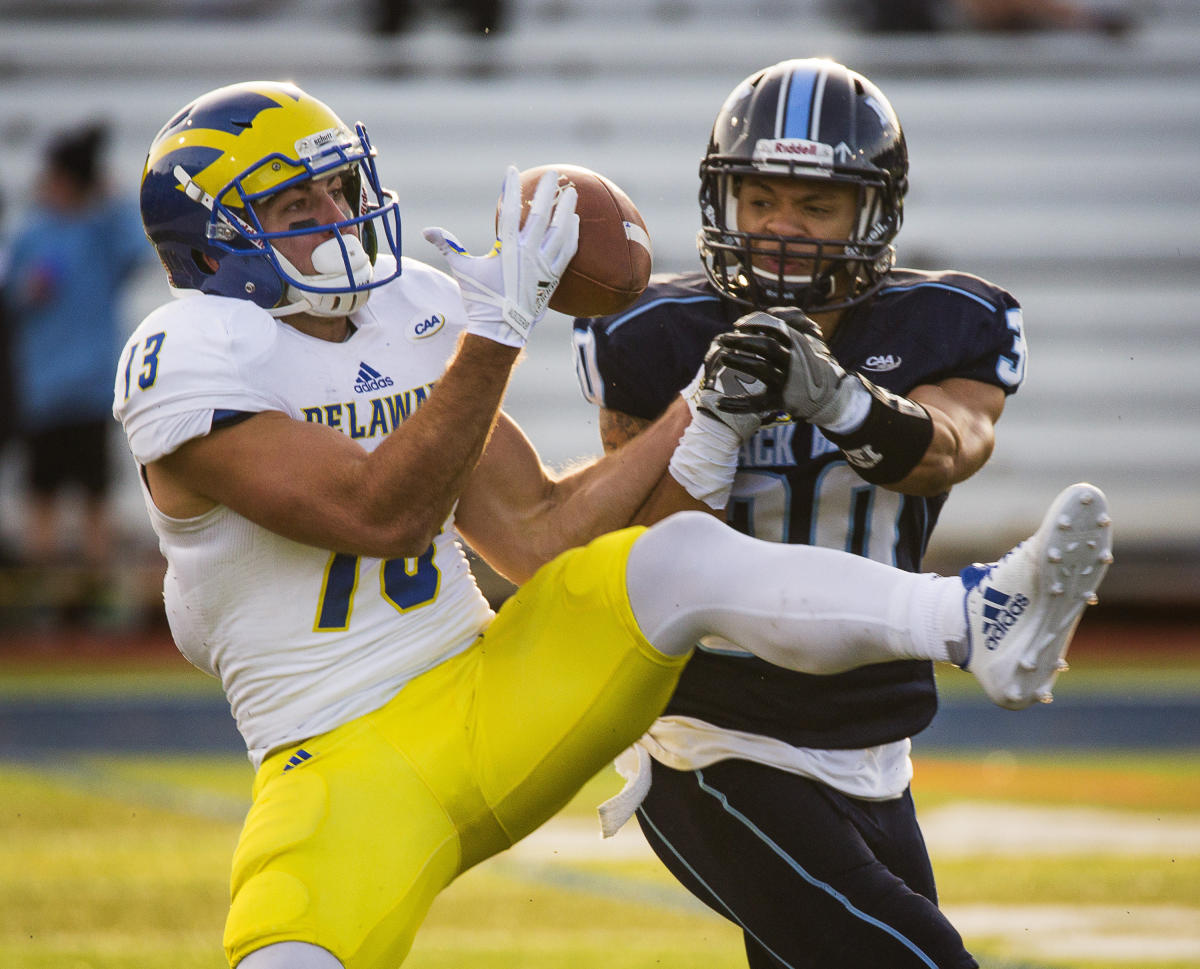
(811, 118)
(236, 145)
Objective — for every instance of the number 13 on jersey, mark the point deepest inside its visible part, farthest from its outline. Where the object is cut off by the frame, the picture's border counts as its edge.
(149, 362)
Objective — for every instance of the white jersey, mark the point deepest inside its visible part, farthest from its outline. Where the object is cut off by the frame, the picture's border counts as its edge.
(301, 638)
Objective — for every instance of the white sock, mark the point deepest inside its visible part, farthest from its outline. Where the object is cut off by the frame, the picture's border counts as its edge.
(810, 609)
(938, 621)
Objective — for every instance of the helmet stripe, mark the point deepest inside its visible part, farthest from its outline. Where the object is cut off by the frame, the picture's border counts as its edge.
(795, 106)
(818, 99)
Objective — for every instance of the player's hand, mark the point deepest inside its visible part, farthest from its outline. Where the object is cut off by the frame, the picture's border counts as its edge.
(816, 388)
(741, 382)
(506, 291)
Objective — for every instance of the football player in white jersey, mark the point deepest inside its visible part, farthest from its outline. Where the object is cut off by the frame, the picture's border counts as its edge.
(317, 421)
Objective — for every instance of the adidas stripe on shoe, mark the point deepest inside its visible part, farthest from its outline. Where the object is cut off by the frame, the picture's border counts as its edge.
(1022, 611)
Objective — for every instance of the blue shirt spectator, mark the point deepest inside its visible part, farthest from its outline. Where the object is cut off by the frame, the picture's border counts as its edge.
(65, 278)
(68, 263)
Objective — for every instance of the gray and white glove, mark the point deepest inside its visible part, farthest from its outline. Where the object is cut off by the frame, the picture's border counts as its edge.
(735, 392)
(506, 292)
(741, 382)
(816, 389)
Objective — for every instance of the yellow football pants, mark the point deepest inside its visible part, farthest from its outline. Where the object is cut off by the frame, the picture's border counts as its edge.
(348, 846)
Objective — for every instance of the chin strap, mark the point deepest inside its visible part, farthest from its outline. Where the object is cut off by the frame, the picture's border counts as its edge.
(341, 261)
(329, 304)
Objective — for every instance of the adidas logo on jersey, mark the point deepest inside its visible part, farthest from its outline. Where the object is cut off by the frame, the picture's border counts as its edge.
(1000, 614)
(369, 379)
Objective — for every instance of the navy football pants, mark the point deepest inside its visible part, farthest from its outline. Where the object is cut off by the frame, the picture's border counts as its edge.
(816, 880)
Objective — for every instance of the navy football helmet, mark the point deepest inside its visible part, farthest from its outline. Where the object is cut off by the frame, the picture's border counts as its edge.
(236, 145)
(810, 118)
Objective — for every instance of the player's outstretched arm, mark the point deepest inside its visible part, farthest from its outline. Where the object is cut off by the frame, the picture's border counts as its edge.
(518, 516)
(736, 391)
(919, 444)
(313, 484)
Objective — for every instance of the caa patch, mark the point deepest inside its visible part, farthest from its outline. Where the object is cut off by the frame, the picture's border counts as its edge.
(881, 363)
(427, 327)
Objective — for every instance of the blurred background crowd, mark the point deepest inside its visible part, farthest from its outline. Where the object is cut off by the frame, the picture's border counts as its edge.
(1053, 147)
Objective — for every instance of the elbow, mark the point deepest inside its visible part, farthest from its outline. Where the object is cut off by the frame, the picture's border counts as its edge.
(395, 537)
(934, 475)
(921, 487)
(939, 471)
(405, 544)
(517, 562)
(381, 524)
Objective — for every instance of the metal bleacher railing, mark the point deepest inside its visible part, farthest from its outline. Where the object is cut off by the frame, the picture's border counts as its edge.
(1060, 166)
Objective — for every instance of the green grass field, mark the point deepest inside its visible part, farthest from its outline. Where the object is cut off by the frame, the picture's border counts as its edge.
(121, 863)
(1080, 861)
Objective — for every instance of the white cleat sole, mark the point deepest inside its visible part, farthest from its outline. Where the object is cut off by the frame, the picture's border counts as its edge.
(1064, 563)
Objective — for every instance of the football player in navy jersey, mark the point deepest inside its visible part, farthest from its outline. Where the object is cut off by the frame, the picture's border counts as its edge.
(782, 799)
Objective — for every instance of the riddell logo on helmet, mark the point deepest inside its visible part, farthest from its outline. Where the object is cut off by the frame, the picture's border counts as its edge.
(793, 150)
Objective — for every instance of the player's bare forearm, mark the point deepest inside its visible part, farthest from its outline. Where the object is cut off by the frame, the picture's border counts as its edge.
(518, 517)
(423, 467)
(964, 414)
(616, 430)
(637, 470)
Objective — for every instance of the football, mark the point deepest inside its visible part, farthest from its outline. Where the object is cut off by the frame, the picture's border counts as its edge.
(611, 267)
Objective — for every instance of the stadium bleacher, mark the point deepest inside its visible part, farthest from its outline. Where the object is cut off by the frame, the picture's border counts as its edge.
(1058, 165)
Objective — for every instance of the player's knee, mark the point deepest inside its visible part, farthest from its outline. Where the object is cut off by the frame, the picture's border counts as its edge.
(676, 546)
(680, 538)
(665, 577)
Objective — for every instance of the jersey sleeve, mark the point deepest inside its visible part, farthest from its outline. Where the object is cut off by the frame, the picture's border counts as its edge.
(638, 362)
(1003, 359)
(942, 325)
(992, 340)
(186, 361)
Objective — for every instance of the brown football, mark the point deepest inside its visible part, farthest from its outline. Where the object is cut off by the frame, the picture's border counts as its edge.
(611, 267)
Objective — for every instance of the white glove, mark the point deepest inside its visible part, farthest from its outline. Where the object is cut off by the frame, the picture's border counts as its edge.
(506, 291)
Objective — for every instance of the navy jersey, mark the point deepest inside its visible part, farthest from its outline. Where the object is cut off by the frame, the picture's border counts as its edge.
(795, 486)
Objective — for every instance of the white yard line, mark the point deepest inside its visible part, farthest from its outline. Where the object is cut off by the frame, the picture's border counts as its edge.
(988, 828)
(1133, 933)
(961, 829)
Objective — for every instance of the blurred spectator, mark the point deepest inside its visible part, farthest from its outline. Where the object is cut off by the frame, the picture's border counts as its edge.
(67, 265)
(6, 375)
(992, 15)
(7, 398)
(391, 17)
